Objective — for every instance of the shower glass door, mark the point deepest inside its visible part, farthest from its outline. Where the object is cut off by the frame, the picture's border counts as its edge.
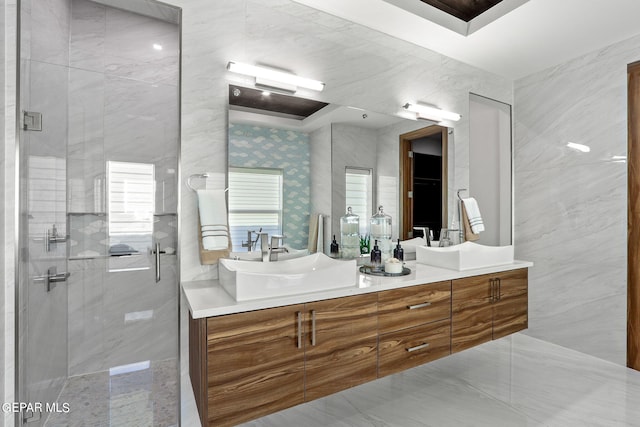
(98, 291)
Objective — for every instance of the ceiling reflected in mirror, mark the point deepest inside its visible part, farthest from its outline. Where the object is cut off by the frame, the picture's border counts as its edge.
(249, 105)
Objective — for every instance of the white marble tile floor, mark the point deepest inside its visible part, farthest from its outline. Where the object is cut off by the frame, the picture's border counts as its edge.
(512, 382)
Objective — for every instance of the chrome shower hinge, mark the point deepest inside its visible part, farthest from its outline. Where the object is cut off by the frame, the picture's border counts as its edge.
(32, 120)
(31, 416)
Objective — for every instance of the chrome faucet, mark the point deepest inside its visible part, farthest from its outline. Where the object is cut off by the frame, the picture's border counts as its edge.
(276, 248)
(251, 244)
(426, 233)
(270, 252)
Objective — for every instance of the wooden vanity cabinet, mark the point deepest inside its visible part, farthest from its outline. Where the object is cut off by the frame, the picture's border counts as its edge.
(247, 365)
(414, 325)
(488, 307)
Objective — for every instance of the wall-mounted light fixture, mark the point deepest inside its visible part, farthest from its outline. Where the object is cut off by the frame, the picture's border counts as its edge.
(431, 113)
(269, 78)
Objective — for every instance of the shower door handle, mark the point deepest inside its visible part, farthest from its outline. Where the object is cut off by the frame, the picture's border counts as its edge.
(51, 278)
(157, 253)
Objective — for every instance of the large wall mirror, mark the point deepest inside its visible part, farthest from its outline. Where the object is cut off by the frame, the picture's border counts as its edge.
(291, 159)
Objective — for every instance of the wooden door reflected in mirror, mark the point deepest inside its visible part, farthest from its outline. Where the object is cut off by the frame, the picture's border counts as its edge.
(423, 180)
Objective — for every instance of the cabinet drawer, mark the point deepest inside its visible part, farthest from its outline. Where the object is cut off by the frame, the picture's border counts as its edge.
(413, 306)
(414, 346)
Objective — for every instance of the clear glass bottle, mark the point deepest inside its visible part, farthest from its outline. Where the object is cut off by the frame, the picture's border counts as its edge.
(350, 234)
(380, 227)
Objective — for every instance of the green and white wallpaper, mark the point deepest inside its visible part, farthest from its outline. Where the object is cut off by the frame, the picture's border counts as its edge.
(262, 147)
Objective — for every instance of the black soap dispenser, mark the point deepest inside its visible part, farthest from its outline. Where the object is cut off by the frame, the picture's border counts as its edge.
(398, 252)
(334, 249)
(376, 256)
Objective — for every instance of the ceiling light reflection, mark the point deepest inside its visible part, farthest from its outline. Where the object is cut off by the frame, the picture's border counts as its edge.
(580, 147)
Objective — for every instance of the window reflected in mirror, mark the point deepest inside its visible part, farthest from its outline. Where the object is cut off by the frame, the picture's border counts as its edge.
(255, 203)
(359, 194)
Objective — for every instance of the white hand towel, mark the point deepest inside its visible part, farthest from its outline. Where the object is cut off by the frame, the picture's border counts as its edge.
(473, 213)
(212, 206)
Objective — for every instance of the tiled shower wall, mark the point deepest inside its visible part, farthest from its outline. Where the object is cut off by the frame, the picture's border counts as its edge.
(123, 102)
(570, 206)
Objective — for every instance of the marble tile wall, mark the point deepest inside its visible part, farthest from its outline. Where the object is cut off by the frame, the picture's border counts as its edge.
(350, 146)
(570, 206)
(123, 106)
(361, 67)
(122, 100)
(112, 313)
(320, 154)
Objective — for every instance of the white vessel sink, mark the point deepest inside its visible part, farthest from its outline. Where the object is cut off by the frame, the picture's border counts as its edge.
(248, 280)
(465, 256)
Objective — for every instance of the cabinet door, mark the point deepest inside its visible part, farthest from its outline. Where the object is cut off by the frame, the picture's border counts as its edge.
(341, 344)
(413, 306)
(255, 364)
(471, 312)
(510, 311)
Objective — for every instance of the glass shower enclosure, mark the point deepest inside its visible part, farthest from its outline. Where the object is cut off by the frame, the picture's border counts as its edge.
(98, 291)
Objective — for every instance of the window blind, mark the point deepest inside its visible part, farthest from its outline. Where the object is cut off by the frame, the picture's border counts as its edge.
(255, 201)
(131, 198)
(359, 194)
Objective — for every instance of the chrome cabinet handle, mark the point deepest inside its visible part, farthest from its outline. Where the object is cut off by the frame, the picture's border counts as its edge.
(416, 306)
(313, 327)
(299, 329)
(492, 283)
(499, 293)
(418, 347)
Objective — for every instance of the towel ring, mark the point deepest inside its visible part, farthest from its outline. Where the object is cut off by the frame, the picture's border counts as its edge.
(459, 190)
(198, 175)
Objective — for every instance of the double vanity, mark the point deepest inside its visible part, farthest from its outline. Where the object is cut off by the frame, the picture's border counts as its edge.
(252, 353)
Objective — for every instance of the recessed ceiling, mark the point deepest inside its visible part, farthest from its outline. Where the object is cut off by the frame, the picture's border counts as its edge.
(463, 9)
(533, 36)
(253, 106)
(462, 16)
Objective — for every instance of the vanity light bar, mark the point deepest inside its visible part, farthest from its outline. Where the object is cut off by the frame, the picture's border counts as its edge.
(431, 113)
(271, 77)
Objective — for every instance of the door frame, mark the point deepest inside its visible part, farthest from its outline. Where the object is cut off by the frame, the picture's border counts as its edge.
(633, 216)
(406, 176)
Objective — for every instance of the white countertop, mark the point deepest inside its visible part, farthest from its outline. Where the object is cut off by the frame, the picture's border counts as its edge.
(207, 298)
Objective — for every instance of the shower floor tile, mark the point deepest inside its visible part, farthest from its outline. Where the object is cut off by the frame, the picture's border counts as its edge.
(145, 397)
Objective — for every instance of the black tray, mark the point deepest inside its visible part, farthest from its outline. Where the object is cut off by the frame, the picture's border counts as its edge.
(367, 269)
